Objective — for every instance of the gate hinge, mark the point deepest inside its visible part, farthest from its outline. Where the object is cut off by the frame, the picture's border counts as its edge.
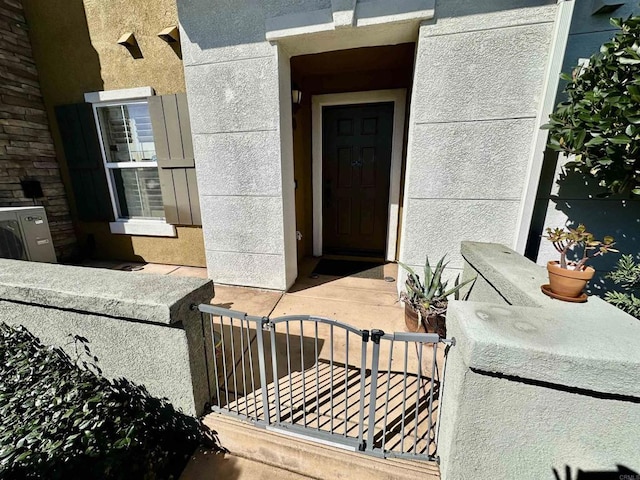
(363, 446)
(365, 336)
(376, 335)
(266, 323)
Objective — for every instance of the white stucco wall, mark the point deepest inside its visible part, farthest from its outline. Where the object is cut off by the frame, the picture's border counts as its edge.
(572, 200)
(238, 88)
(479, 74)
(478, 85)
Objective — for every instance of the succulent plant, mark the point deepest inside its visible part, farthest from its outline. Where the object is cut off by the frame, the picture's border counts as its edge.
(430, 296)
(565, 240)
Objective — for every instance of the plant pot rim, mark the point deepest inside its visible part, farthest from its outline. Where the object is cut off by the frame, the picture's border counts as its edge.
(553, 266)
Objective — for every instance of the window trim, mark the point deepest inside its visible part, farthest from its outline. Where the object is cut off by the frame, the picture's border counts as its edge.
(122, 225)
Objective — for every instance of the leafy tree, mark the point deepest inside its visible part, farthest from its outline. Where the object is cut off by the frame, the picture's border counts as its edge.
(627, 275)
(599, 123)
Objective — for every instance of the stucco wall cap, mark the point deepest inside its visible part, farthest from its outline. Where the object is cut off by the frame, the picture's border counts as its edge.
(145, 297)
(592, 346)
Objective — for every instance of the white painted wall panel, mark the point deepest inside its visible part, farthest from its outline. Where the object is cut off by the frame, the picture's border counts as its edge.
(437, 226)
(480, 163)
(247, 269)
(477, 90)
(237, 96)
(243, 224)
(239, 163)
(487, 74)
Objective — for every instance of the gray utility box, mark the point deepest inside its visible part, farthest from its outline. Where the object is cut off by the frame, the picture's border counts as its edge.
(25, 235)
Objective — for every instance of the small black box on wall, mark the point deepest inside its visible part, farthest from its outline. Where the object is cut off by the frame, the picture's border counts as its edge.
(31, 188)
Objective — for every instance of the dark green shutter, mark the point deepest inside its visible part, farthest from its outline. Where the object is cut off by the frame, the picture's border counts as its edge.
(84, 160)
(176, 165)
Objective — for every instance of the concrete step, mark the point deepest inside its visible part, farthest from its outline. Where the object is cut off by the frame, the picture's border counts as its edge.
(310, 459)
(205, 465)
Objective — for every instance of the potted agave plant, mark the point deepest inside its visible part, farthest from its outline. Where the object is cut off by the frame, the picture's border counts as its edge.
(567, 279)
(425, 303)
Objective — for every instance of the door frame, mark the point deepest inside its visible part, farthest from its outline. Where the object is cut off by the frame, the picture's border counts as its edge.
(399, 98)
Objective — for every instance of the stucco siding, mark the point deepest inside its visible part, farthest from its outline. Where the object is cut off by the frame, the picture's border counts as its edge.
(75, 46)
(233, 81)
(477, 90)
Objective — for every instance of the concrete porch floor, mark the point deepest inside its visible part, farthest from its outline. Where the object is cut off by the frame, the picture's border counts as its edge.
(364, 300)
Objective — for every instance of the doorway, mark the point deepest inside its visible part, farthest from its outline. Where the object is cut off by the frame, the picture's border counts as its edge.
(357, 78)
(356, 170)
(357, 162)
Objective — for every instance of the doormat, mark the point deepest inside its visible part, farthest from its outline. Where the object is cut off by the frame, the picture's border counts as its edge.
(344, 268)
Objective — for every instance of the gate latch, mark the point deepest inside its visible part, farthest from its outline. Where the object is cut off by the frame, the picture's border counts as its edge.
(376, 335)
(266, 323)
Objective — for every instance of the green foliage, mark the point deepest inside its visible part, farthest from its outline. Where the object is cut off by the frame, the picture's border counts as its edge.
(430, 295)
(599, 123)
(59, 421)
(627, 275)
(564, 240)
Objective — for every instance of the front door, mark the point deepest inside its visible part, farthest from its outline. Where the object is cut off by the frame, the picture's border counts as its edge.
(356, 166)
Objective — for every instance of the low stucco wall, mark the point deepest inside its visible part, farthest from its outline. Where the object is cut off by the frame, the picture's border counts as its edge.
(140, 327)
(535, 385)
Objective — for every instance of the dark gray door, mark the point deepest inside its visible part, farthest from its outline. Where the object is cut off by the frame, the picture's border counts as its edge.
(356, 164)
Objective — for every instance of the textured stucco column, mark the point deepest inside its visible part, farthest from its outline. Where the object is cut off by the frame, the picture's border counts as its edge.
(139, 326)
(535, 384)
(479, 75)
(239, 92)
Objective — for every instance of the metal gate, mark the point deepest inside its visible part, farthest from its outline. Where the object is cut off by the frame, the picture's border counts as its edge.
(318, 378)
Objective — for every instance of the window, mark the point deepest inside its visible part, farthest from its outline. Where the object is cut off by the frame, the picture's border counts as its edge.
(129, 153)
(130, 159)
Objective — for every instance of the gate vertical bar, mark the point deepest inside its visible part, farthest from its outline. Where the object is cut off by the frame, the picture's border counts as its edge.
(215, 357)
(233, 365)
(373, 393)
(418, 387)
(433, 374)
(263, 368)
(363, 378)
(274, 365)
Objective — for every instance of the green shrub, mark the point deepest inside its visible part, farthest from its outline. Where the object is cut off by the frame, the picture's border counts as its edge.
(58, 420)
(599, 122)
(627, 276)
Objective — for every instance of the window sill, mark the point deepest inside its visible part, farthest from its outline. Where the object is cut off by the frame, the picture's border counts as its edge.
(150, 228)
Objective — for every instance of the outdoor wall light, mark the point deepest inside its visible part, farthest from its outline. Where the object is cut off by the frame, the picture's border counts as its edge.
(296, 100)
(296, 95)
(128, 41)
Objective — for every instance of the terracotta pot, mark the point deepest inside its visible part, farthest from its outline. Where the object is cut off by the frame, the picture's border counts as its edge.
(411, 320)
(435, 323)
(568, 283)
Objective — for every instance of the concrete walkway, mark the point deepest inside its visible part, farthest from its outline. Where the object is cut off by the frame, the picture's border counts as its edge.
(362, 300)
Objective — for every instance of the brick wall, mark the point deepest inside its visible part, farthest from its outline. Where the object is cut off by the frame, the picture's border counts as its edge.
(26, 147)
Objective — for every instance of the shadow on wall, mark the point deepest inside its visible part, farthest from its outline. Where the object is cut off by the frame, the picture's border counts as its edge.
(570, 199)
(621, 473)
(68, 66)
(238, 25)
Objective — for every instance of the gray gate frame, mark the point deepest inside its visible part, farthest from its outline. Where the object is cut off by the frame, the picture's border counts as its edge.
(356, 444)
